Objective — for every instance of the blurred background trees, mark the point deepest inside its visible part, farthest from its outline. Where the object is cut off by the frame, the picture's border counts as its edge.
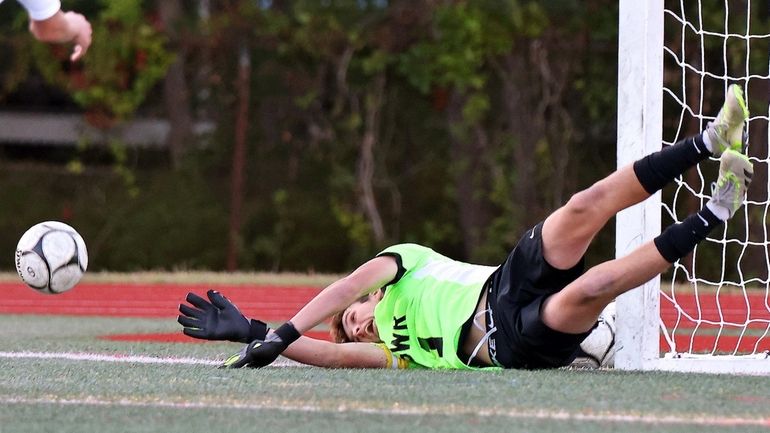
(307, 135)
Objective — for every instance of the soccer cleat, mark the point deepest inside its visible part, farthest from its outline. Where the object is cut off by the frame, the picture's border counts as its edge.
(598, 348)
(735, 172)
(726, 131)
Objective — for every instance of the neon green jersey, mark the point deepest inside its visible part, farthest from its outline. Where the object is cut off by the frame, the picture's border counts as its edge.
(425, 306)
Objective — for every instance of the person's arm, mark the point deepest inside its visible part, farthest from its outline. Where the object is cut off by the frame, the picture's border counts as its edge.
(369, 277)
(321, 353)
(40, 10)
(49, 24)
(219, 319)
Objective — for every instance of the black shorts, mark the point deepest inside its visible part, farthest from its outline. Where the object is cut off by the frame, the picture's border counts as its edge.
(515, 294)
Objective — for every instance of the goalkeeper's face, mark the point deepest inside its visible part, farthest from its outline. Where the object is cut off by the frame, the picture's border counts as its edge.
(358, 319)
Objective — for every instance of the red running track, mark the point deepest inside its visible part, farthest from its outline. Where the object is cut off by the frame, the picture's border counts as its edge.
(751, 313)
(268, 303)
(278, 303)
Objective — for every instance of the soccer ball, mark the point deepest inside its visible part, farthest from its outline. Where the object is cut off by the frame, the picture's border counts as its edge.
(598, 349)
(51, 257)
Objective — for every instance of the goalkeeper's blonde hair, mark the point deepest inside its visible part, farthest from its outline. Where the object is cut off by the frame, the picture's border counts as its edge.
(337, 331)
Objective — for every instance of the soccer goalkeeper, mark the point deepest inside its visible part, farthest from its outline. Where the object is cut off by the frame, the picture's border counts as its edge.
(410, 306)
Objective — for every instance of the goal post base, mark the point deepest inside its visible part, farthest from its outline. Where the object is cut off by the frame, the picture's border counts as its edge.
(757, 364)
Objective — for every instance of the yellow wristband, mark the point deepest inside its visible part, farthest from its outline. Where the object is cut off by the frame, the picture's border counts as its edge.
(393, 361)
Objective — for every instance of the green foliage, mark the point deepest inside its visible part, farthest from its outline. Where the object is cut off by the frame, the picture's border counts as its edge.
(454, 54)
(120, 167)
(176, 222)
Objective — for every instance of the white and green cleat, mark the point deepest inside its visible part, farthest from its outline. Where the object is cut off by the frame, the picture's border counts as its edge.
(735, 172)
(726, 131)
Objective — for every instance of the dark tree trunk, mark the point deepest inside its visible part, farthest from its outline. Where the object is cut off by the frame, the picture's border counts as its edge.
(519, 94)
(239, 159)
(468, 147)
(365, 173)
(176, 94)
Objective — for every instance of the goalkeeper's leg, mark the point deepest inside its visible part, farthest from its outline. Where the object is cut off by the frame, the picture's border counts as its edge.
(575, 308)
(568, 232)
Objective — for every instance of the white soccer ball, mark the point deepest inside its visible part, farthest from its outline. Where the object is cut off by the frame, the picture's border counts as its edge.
(598, 349)
(51, 257)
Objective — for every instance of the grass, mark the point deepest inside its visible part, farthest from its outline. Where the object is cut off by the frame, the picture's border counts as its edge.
(38, 395)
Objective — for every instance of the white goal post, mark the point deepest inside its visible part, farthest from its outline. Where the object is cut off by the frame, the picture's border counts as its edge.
(714, 325)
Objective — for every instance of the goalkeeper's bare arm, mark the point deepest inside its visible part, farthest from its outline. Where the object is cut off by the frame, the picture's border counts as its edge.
(219, 319)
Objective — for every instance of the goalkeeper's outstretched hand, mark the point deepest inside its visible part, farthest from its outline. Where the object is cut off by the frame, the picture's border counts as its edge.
(261, 353)
(218, 320)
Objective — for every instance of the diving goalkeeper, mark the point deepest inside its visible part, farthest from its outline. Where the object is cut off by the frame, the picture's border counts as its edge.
(412, 307)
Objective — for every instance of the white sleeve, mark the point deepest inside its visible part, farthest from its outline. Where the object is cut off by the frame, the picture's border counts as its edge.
(41, 9)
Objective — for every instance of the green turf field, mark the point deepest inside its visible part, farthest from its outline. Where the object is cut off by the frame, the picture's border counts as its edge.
(78, 395)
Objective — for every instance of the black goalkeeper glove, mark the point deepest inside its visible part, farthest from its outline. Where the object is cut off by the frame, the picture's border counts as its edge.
(260, 353)
(218, 320)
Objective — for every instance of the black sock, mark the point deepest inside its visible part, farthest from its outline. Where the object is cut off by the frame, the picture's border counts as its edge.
(678, 240)
(656, 170)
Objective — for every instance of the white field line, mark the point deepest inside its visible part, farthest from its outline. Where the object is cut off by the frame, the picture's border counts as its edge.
(424, 410)
(135, 359)
(96, 357)
(352, 407)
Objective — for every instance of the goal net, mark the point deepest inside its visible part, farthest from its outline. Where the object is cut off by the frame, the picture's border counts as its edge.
(711, 312)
